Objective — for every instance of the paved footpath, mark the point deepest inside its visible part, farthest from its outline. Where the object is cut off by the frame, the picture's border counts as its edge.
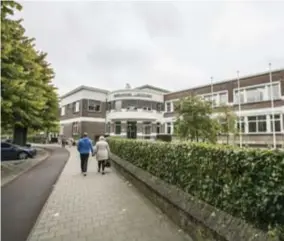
(103, 208)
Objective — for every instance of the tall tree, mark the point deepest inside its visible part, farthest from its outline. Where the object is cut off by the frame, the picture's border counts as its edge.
(25, 78)
(194, 120)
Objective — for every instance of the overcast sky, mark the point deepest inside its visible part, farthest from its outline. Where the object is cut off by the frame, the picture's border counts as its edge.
(172, 45)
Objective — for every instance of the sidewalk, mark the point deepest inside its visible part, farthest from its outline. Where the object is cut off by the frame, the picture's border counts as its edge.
(96, 207)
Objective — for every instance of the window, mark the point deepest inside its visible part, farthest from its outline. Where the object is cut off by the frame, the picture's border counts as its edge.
(159, 107)
(158, 128)
(117, 105)
(241, 96)
(147, 128)
(257, 94)
(147, 108)
(217, 98)
(5, 145)
(94, 106)
(277, 123)
(168, 107)
(62, 110)
(257, 124)
(169, 128)
(75, 128)
(108, 128)
(241, 124)
(117, 128)
(275, 91)
(76, 106)
(131, 108)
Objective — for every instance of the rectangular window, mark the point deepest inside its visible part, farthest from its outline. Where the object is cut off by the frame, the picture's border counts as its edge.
(62, 110)
(75, 128)
(169, 128)
(241, 125)
(168, 107)
(277, 123)
(117, 128)
(255, 94)
(94, 106)
(147, 128)
(239, 97)
(217, 98)
(76, 106)
(158, 128)
(159, 107)
(275, 91)
(258, 94)
(257, 124)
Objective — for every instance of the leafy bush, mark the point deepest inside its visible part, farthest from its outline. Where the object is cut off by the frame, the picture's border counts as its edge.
(167, 138)
(247, 183)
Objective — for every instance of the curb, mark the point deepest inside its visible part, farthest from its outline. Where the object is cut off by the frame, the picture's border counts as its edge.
(16, 176)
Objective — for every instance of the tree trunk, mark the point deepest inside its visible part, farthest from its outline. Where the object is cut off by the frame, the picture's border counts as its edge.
(20, 135)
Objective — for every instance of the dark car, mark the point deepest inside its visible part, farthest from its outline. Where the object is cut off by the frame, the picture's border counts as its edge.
(11, 151)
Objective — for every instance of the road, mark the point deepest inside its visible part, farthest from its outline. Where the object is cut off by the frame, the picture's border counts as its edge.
(23, 198)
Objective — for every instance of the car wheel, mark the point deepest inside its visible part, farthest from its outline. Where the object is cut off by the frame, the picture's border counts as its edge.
(22, 155)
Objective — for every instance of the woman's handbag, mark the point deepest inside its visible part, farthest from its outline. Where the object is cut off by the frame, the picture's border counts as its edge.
(107, 163)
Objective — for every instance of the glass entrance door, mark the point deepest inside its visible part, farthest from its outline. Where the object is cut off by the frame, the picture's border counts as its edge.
(132, 129)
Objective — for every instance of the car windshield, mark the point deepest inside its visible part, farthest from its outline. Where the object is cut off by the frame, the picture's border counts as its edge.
(18, 146)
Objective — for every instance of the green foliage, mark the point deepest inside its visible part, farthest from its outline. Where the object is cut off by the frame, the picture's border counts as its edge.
(28, 99)
(227, 119)
(247, 183)
(194, 120)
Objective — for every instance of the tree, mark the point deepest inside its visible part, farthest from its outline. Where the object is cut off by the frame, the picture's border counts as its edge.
(227, 119)
(194, 120)
(26, 91)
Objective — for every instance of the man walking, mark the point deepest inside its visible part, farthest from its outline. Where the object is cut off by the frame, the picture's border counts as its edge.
(85, 147)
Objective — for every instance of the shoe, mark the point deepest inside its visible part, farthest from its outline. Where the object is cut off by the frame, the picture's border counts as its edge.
(85, 174)
(103, 173)
(99, 170)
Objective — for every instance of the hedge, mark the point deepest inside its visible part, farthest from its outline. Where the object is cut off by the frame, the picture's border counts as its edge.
(247, 183)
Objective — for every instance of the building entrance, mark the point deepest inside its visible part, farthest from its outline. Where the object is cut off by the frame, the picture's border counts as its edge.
(132, 129)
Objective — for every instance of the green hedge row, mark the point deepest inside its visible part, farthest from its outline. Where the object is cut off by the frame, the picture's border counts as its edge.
(246, 183)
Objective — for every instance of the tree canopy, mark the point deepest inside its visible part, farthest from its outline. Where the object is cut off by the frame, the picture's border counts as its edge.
(194, 120)
(28, 98)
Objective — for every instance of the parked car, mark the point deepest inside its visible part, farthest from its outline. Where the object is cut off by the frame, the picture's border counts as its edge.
(11, 151)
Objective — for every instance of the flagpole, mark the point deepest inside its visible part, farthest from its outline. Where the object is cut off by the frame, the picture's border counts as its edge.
(212, 105)
(272, 107)
(240, 115)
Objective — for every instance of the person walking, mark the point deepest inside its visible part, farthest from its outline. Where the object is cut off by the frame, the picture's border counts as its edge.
(84, 148)
(102, 153)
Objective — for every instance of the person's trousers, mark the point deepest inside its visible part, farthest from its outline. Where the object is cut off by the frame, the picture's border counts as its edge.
(84, 161)
(101, 164)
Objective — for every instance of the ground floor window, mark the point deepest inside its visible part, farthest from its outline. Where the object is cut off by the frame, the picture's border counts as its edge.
(132, 129)
(117, 128)
(277, 123)
(75, 128)
(158, 128)
(241, 124)
(257, 124)
(147, 128)
(169, 128)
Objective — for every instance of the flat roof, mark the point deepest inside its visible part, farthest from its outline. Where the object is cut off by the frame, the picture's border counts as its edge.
(227, 81)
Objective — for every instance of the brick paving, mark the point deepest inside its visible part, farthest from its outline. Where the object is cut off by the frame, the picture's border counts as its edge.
(97, 207)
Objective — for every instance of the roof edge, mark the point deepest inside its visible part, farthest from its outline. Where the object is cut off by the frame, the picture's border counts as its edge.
(83, 87)
(226, 81)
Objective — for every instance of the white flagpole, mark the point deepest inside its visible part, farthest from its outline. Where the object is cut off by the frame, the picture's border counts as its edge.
(272, 107)
(212, 104)
(240, 115)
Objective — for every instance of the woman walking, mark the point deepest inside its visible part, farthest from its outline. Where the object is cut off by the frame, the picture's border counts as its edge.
(102, 153)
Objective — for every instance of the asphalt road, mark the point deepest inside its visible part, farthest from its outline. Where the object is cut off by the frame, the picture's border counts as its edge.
(23, 198)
